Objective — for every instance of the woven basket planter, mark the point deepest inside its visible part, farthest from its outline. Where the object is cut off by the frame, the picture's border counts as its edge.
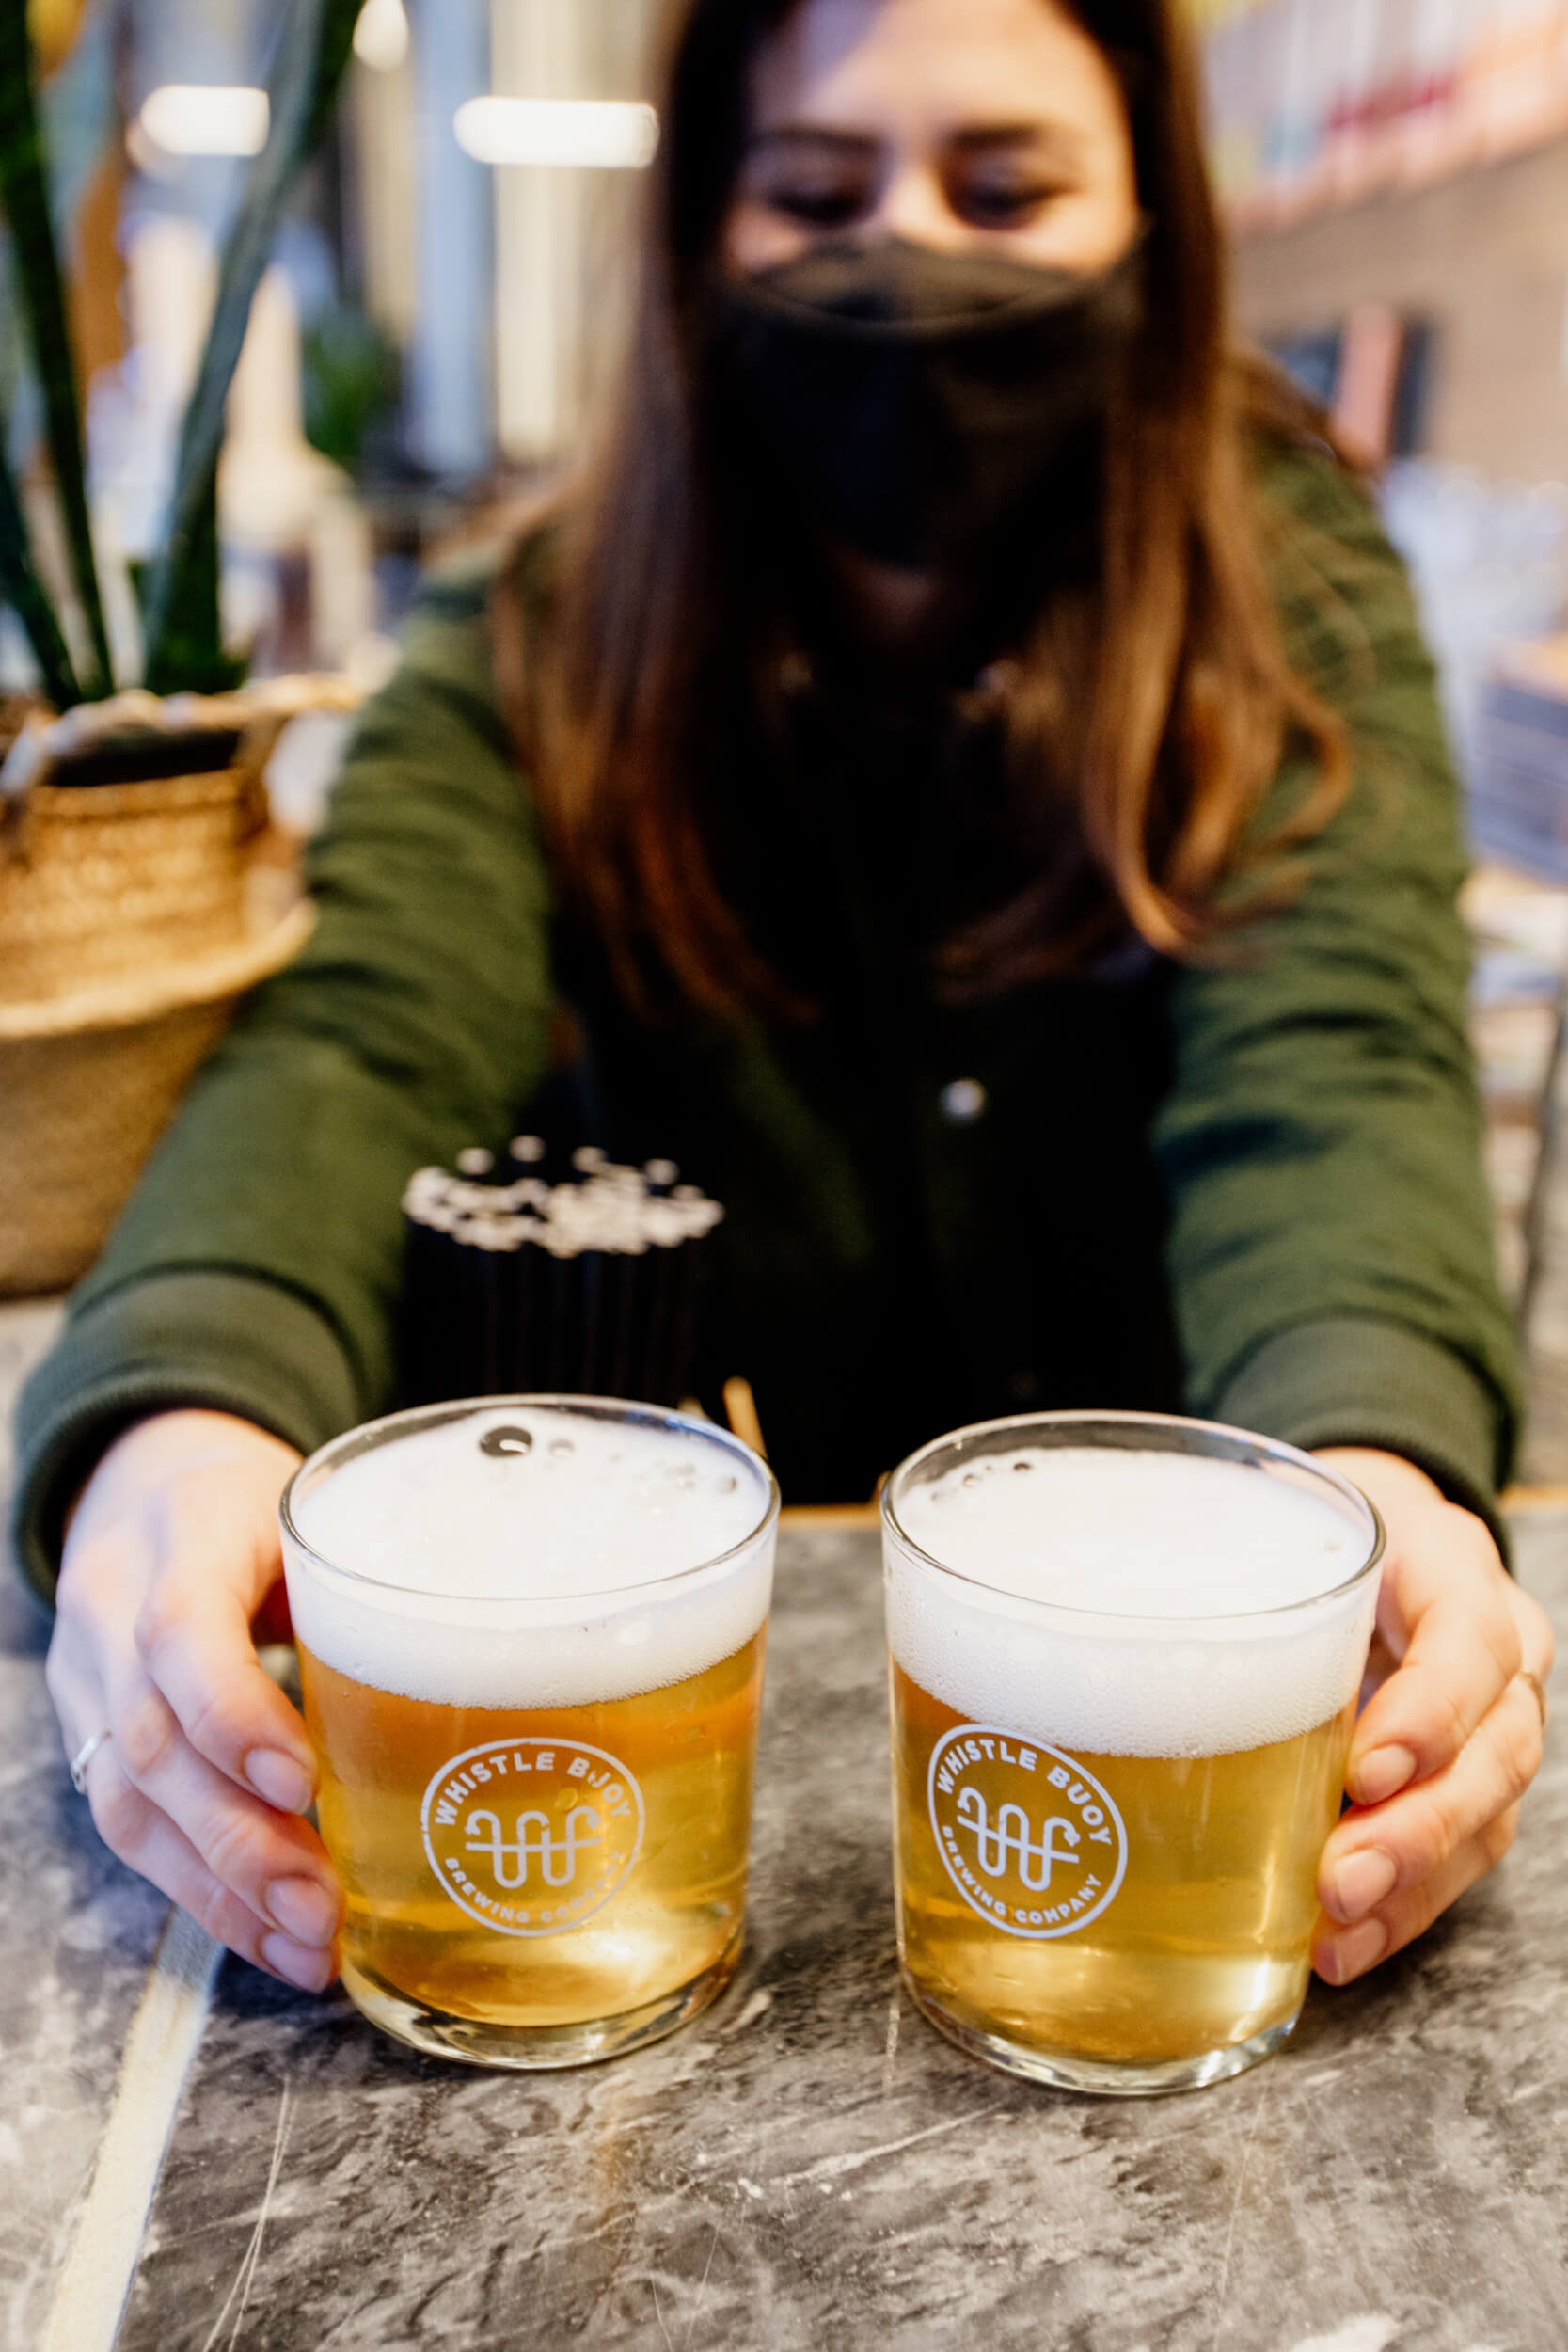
(135, 913)
(98, 881)
(89, 1083)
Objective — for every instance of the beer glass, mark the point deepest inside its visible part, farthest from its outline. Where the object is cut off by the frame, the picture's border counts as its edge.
(530, 1637)
(1125, 1656)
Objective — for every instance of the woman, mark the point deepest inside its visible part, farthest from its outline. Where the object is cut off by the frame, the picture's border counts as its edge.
(986, 813)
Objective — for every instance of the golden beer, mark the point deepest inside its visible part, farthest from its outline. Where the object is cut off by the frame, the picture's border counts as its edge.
(539, 1845)
(1110, 1806)
(1204, 1946)
(532, 1636)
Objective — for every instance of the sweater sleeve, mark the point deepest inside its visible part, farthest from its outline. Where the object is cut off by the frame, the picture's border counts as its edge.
(1331, 1245)
(258, 1263)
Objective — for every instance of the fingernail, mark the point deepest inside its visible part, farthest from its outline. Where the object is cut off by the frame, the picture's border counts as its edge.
(1359, 1883)
(303, 1908)
(309, 1970)
(1355, 1951)
(280, 1779)
(1382, 1774)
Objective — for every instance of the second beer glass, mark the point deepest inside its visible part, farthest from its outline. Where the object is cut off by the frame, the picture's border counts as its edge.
(530, 1637)
(1125, 1656)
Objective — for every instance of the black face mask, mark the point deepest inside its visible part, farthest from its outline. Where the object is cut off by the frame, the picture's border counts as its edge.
(912, 399)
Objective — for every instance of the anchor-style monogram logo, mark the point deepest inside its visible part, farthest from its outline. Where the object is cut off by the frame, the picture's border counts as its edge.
(531, 1836)
(556, 1858)
(987, 1789)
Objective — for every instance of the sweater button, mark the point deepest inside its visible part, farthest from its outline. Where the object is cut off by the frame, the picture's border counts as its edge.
(963, 1102)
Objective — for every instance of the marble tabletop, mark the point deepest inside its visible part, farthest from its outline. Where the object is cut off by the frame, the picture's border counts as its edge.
(808, 2165)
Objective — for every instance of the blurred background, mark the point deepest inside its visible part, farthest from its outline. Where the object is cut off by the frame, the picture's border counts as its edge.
(448, 289)
(443, 294)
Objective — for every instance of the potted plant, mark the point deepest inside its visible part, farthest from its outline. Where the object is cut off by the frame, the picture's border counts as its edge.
(129, 923)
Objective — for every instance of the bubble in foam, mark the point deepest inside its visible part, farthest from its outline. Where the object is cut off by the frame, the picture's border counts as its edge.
(1098, 1535)
(508, 1555)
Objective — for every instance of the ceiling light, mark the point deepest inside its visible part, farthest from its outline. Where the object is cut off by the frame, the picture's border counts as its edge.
(381, 35)
(609, 134)
(193, 119)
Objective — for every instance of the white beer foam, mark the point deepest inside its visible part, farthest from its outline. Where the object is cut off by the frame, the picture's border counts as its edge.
(538, 1562)
(1095, 1534)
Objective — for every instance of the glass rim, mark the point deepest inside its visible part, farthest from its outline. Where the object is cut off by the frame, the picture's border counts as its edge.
(1273, 1448)
(365, 1437)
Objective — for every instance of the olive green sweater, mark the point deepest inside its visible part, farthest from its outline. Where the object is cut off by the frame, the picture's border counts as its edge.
(1250, 1190)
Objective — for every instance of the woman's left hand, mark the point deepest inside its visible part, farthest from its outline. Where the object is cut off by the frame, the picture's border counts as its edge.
(1447, 1747)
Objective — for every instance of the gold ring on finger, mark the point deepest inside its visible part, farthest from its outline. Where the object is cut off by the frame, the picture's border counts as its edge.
(1538, 1692)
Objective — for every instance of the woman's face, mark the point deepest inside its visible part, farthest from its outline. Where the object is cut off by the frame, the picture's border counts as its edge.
(963, 125)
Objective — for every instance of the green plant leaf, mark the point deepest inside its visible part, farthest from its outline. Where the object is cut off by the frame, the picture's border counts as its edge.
(351, 378)
(312, 55)
(24, 190)
(192, 658)
(19, 585)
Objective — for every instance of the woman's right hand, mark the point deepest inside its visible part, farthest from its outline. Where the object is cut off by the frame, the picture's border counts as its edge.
(172, 1550)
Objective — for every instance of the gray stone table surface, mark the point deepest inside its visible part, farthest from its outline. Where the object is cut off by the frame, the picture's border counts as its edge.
(809, 2165)
(76, 1934)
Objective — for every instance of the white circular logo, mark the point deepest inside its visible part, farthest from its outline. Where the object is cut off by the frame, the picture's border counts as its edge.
(531, 1836)
(1031, 1841)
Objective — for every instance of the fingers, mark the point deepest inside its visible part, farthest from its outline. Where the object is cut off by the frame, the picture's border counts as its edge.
(1467, 1642)
(190, 1623)
(193, 1643)
(273, 1861)
(193, 1633)
(1340, 1955)
(205, 1827)
(270, 1897)
(1387, 1871)
(133, 1827)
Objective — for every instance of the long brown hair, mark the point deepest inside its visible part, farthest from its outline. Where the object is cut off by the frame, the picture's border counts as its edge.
(1142, 718)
